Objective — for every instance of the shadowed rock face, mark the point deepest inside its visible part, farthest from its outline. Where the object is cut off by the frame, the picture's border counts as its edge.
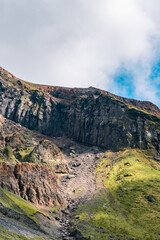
(90, 116)
(32, 182)
(7, 179)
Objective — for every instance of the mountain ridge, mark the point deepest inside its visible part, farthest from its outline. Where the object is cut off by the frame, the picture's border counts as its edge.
(77, 164)
(67, 92)
(81, 114)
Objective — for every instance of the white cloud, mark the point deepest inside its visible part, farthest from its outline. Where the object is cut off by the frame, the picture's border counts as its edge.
(80, 43)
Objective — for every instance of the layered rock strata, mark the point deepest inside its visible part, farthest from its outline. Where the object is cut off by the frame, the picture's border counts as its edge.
(90, 116)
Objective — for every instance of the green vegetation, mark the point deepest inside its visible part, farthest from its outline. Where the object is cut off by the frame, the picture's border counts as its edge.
(9, 154)
(146, 115)
(18, 204)
(55, 211)
(23, 153)
(129, 205)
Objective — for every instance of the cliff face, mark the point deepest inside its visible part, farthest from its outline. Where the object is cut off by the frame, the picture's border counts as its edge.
(28, 162)
(90, 116)
(32, 182)
(7, 179)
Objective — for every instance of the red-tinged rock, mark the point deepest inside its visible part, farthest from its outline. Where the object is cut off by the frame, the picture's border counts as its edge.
(32, 182)
(7, 179)
(37, 184)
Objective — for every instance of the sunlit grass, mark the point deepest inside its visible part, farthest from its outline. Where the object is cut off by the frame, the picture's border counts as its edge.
(123, 209)
(16, 203)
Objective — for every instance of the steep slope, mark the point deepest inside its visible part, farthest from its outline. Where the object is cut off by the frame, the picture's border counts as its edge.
(128, 204)
(35, 182)
(21, 220)
(90, 116)
(17, 143)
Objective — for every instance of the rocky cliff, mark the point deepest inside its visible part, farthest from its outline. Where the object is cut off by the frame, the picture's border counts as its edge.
(17, 143)
(90, 116)
(29, 164)
(32, 182)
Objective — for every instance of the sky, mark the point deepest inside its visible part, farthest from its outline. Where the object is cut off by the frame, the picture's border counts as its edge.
(110, 44)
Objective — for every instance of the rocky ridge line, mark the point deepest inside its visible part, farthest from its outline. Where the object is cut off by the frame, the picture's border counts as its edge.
(90, 116)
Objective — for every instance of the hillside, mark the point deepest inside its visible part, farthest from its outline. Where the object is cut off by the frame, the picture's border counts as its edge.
(128, 207)
(77, 163)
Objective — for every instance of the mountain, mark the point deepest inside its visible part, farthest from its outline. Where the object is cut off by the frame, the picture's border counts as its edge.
(77, 163)
(90, 116)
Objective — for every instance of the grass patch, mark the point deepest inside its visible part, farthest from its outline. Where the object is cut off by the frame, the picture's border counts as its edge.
(18, 204)
(23, 153)
(129, 205)
(148, 115)
(8, 154)
(55, 211)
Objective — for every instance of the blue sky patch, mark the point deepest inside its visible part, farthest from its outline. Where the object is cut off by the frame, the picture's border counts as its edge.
(123, 80)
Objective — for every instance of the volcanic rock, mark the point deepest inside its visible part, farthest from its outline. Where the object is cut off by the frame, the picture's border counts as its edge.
(35, 183)
(91, 116)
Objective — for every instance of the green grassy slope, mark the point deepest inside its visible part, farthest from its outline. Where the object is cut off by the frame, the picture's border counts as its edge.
(129, 205)
(16, 203)
(21, 206)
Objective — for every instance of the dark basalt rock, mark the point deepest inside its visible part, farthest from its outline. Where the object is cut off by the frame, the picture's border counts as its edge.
(90, 116)
(127, 175)
(77, 235)
(151, 198)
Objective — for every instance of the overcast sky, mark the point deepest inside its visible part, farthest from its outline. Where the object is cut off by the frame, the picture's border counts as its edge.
(110, 44)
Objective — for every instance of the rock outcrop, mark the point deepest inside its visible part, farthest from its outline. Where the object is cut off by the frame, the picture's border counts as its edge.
(35, 183)
(20, 144)
(47, 153)
(7, 179)
(90, 116)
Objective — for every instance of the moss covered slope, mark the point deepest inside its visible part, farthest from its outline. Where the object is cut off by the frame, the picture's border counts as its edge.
(128, 207)
(16, 203)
